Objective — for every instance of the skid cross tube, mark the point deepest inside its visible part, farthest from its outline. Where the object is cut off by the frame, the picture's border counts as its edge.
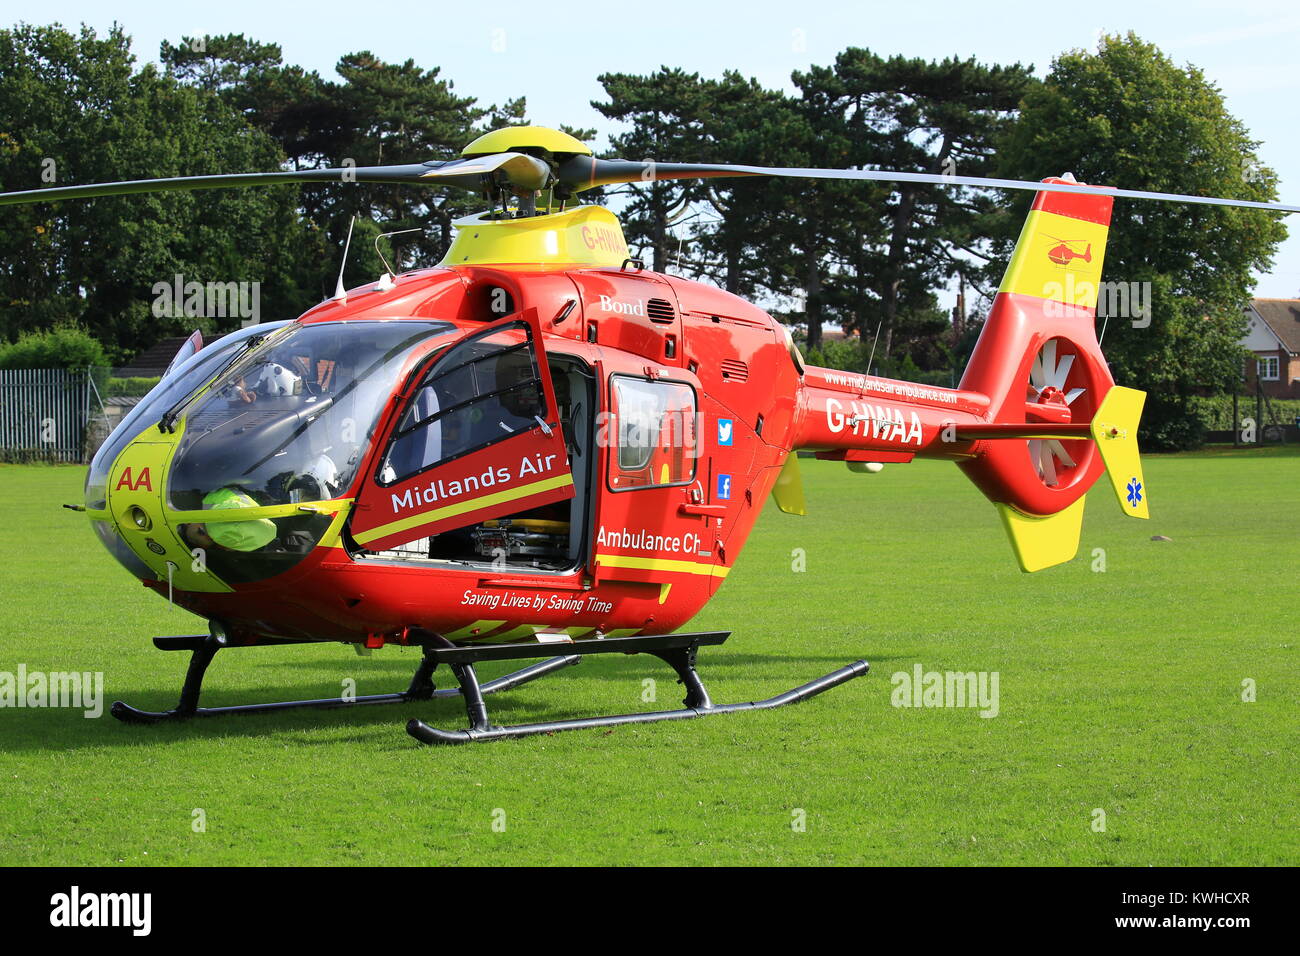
(204, 648)
(677, 650)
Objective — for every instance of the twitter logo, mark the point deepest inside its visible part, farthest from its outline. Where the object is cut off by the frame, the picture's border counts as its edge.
(724, 431)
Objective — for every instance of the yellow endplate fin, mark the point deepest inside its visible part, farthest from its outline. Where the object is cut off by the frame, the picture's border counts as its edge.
(788, 490)
(1114, 429)
(1042, 542)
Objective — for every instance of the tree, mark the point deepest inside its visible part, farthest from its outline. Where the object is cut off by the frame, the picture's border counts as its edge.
(666, 111)
(378, 113)
(75, 110)
(749, 236)
(734, 234)
(916, 116)
(1127, 116)
(827, 225)
(65, 346)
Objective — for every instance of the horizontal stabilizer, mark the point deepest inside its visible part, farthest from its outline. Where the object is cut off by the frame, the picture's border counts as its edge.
(981, 431)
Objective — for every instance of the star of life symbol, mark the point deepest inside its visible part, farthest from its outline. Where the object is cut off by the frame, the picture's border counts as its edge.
(1134, 492)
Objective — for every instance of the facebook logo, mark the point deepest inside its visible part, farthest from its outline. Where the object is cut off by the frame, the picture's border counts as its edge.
(724, 431)
(724, 487)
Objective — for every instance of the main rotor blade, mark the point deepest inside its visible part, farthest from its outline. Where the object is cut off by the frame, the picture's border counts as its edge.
(585, 172)
(517, 169)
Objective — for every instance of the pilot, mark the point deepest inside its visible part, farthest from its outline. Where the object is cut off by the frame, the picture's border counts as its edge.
(273, 380)
(513, 406)
(524, 402)
(232, 535)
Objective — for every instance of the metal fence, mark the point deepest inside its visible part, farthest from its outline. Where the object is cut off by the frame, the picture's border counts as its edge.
(47, 414)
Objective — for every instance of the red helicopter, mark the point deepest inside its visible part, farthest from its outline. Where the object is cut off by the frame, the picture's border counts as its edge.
(541, 450)
(1064, 252)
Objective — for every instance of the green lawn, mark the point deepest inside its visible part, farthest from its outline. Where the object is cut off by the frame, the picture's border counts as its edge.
(1119, 691)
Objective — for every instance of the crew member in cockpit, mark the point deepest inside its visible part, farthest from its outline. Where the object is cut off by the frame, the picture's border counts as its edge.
(271, 381)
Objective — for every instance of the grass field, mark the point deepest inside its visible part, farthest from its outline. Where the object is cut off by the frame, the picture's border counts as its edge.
(1119, 691)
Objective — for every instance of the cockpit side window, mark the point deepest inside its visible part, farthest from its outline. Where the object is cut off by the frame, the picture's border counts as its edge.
(480, 392)
(291, 421)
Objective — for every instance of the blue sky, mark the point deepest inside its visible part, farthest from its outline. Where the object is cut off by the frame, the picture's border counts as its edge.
(553, 52)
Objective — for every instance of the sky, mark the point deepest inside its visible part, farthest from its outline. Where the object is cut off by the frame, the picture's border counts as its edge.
(552, 53)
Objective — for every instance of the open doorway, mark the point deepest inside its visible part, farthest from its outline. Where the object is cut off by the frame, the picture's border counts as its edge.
(553, 537)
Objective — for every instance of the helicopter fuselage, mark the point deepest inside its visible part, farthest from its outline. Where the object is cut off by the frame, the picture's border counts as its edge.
(503, 449)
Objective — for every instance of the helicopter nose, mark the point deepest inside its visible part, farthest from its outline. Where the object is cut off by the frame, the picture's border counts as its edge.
(135, 499)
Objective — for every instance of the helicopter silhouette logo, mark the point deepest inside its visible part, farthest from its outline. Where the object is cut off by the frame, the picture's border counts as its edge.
(1067, 250)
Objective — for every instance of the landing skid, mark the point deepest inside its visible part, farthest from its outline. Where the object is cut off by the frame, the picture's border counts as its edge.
(676, 650)
(204, 648)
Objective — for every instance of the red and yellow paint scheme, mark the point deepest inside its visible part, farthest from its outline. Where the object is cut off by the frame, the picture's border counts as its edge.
(538, 437)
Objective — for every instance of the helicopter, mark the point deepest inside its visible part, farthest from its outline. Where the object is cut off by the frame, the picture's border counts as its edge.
(1065, 251)
(541, 450)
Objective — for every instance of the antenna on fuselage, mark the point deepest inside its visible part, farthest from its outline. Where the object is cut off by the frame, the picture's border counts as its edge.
(873, 347)
(340, 293)
(390, 274)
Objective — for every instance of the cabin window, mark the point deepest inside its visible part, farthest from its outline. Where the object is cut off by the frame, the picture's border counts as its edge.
(654, 432)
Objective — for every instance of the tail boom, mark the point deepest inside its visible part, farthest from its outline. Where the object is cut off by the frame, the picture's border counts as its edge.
(855, 417)
(1037, 418)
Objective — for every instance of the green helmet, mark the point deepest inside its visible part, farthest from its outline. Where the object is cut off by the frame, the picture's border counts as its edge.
(237, 535)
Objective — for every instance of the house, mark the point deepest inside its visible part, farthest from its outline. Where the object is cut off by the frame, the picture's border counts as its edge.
(1274, 337)
(153, 361)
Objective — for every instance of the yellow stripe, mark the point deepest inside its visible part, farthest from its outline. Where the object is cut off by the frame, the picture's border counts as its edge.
(334, 533)
(661, 564)
(473, 630)
(517, 632)
(450, 511)
(1032, 272)
(293, 509)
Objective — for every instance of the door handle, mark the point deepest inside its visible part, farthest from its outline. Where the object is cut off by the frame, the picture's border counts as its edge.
(703, 511)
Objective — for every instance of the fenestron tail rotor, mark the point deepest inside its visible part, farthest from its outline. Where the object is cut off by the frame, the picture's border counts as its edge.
(1047, 380)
